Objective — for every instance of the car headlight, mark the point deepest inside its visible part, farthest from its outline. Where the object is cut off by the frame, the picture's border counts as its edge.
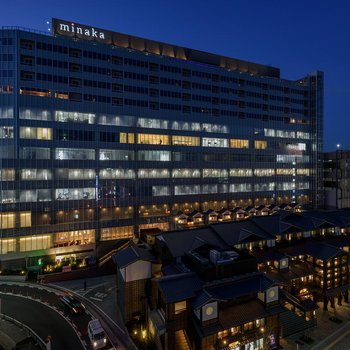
(95, 343)
(105, 340)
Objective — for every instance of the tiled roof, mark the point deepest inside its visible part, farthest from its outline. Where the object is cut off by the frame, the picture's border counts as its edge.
(239, 286)
(321, 251)
(132, 254)
(179, 287)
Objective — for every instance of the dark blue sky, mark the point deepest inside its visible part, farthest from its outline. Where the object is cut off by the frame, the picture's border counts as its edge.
(298, 36)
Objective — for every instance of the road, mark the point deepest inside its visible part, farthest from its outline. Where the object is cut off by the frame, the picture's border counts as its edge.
(51, 297)
(43, 320)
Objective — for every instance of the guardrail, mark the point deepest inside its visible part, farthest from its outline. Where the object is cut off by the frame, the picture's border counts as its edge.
(34, 335)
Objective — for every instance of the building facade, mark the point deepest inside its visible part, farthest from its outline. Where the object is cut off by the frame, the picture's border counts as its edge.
(336, 179)
(104, 134)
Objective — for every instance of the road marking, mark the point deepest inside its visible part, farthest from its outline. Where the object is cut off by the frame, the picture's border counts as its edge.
(94, 298)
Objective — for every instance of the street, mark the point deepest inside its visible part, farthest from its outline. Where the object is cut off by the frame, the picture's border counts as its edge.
(43, 320)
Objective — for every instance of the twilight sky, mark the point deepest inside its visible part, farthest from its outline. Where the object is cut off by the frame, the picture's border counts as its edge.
(298, 36)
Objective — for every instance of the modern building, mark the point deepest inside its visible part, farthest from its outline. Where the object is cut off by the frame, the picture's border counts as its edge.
(237, 285)
(105, 134)
(337, 179)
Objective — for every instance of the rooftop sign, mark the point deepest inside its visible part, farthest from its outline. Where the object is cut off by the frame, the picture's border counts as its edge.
(80, 31)
(84, 32)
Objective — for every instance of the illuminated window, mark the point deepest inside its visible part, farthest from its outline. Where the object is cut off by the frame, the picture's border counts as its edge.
(75, 193)
(117, 173)
(303, 135)
(122, 232)
(126, 137)
(237, 143)
(74, 117)
(74, 238)
(74, 153)
(186, 173)
(180, 307)
(154, 210)
(185, 141)
(6, 132)
(152, 139)
(7, 220)
(160, 190)
(162, 156)
(35, 92)
(25, 219)
(284, 171)
(305, 172)
(35, 242)
(214, 142)
(215, 173)
(153, 173)
(26, 132)
(260, 144)
(187, 189)
(241, 172)
(7, 246)
(62, 95)
(264, 172)
(7, 174)
(244, 187)
(268, 186)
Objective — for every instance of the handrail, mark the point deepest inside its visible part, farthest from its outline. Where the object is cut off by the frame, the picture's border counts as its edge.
(108, 255)
(34, 335)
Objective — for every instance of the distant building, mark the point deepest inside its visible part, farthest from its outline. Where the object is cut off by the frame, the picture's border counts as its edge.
(237, 284)
(337, 179)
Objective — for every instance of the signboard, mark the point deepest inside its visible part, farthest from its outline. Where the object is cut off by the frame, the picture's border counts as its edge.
(75, 30)
(66, 268)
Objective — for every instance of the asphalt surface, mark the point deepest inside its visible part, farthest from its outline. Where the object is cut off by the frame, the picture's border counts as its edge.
(43, 320)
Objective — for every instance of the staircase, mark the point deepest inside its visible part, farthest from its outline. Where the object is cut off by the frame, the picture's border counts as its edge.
(181, 342)
(291, 323)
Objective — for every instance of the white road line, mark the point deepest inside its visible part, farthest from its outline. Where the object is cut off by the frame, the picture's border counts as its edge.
(94, 298)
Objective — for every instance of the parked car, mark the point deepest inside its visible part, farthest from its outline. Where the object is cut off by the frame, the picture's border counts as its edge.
(72, 304)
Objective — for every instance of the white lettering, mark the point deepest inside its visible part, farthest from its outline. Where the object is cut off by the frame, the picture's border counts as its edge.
(93, 32)
(64, 27)
(89, 32)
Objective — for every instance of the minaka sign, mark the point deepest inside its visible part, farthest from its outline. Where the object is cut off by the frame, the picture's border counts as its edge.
(75, 30)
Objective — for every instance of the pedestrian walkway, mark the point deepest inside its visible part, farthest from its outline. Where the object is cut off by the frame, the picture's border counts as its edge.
(325, 335)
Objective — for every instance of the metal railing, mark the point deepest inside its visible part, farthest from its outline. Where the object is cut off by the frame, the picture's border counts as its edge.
(36, 31)
(31, 333)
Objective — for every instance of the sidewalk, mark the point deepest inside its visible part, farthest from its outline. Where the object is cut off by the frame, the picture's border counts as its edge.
(325, 332)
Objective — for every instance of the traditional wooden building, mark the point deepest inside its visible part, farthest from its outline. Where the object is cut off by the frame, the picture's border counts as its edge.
(231, 285)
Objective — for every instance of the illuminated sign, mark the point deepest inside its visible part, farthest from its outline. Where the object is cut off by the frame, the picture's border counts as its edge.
(80, 31)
